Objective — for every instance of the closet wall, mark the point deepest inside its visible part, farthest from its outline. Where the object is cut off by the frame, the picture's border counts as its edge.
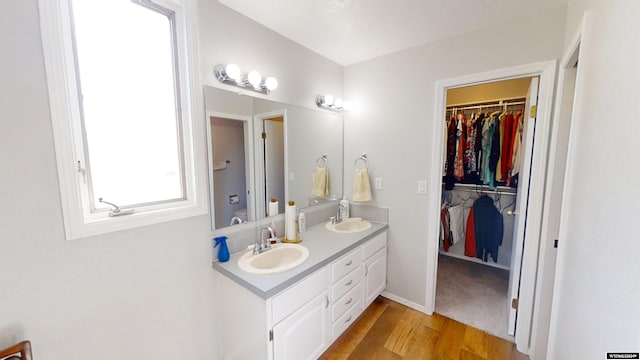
(462, 189)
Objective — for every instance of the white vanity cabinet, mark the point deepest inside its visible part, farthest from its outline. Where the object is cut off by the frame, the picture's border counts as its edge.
(302, 321)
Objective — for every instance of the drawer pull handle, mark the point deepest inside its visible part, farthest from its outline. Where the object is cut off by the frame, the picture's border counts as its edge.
(349, 301)
(349, 263)
(348, 319)
(327, 303)
(349, 283)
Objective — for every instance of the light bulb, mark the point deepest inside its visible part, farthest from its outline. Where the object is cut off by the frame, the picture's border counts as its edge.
(254, 78)
(338, 103)
(232, 71)
(346, 105)
(271, 83)
(328, 100)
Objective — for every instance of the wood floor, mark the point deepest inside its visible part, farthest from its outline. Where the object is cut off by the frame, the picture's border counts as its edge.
(388, 330)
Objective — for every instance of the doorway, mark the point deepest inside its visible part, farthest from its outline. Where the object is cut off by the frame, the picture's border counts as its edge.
(484, 145)
(270, 160)
(530, 206)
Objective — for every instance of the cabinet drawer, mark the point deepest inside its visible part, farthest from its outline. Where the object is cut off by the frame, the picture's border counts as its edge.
(299, 294)
(346, 264)
(344, 285)
(346, 302)
(372, 246)
(340, 325)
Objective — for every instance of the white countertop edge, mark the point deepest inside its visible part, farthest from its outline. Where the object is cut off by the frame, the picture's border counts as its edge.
(266, 286)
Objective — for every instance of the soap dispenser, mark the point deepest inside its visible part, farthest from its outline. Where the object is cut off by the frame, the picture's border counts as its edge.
(344, 212)
(223, 252)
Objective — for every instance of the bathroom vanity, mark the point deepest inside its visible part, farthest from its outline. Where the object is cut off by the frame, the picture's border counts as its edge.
(299, 313)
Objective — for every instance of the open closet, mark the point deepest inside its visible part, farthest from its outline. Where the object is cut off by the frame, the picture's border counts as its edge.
(481, 234)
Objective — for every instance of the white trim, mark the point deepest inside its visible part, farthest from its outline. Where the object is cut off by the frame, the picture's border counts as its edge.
(249, 161)
(577, 42)
(403, 301)
(545, 264)
(60, 70)
(546, 70)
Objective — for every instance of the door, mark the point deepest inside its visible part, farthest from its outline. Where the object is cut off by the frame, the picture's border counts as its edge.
(305, 334)
(273, 137)
(522, 200)
(375, 276)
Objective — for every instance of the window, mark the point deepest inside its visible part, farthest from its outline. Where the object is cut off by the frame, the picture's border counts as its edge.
(120, 90)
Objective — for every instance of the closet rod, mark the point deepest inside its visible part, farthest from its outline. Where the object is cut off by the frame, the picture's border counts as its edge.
(485, 106)
(502, 190)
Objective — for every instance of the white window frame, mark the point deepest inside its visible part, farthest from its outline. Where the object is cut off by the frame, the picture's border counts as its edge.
(79, 221)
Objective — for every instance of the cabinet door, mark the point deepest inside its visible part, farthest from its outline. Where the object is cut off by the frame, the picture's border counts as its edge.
(305, 334)
(375, 276)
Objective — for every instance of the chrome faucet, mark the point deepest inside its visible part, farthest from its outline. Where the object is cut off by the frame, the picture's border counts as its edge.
(338, 218)
(263, 244)
(236, 220)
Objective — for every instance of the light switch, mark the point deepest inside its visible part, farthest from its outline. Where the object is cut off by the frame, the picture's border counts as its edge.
(422, 187)
(292, 177)
(378, 183)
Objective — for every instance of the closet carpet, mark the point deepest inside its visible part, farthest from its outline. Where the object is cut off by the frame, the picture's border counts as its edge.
(473, 294)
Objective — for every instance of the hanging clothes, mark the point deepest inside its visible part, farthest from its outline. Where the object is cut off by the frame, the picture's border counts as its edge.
(446, 233)
(500, 176)
(461, 140)
(517, 151)
(507, 147)
(449, 180)
(470, 238)
(456, 223)
(488, 226)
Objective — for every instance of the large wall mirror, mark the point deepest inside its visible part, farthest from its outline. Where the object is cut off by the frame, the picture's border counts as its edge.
(261, 150)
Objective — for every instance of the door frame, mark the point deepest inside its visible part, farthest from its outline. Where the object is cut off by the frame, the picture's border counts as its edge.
(248, 160)
(546, 70)
(261, 202)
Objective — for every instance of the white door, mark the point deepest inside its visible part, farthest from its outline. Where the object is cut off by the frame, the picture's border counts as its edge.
(529, 121)
(375, 276)
(305, 334)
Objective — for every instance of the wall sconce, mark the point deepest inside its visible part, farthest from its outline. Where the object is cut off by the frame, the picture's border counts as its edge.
(232, 75)
(330, 103)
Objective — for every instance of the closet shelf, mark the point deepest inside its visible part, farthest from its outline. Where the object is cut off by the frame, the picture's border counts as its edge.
(457, 251)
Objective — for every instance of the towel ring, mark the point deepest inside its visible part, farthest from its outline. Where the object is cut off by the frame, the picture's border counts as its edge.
(324, 160)
(363, 158)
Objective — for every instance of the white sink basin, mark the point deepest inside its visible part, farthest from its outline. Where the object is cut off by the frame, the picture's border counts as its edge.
(350, 225)
(281, 257)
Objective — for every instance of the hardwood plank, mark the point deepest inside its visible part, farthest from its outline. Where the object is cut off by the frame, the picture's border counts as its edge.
(466, 355)
(403, 332)
(423, 344)
(450, 341)
(435, 321)
(476, 342)
(372, 345)
(349, 340)
(388, 330)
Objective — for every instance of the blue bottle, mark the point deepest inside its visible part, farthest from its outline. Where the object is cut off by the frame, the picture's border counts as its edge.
(223, 253)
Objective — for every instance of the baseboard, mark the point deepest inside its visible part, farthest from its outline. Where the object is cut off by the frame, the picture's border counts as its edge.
(404, 302)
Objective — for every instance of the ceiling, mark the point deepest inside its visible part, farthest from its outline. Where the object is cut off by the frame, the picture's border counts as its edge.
(352, 31)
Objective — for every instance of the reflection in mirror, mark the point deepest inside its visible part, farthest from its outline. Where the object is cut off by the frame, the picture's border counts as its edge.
(281, 165)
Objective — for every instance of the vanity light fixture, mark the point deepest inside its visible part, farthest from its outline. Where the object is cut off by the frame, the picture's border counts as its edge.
(232, 75)
(330, 103)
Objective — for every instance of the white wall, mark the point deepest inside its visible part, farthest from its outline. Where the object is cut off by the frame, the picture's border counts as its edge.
(228, 37)
(145, 293)
(597, 287)
(395, 95)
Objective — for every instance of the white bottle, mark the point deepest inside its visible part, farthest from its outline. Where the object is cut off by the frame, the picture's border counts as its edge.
(302, 226)
(344, 212)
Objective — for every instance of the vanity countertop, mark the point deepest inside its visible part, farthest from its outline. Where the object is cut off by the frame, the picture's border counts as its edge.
(324, 246)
